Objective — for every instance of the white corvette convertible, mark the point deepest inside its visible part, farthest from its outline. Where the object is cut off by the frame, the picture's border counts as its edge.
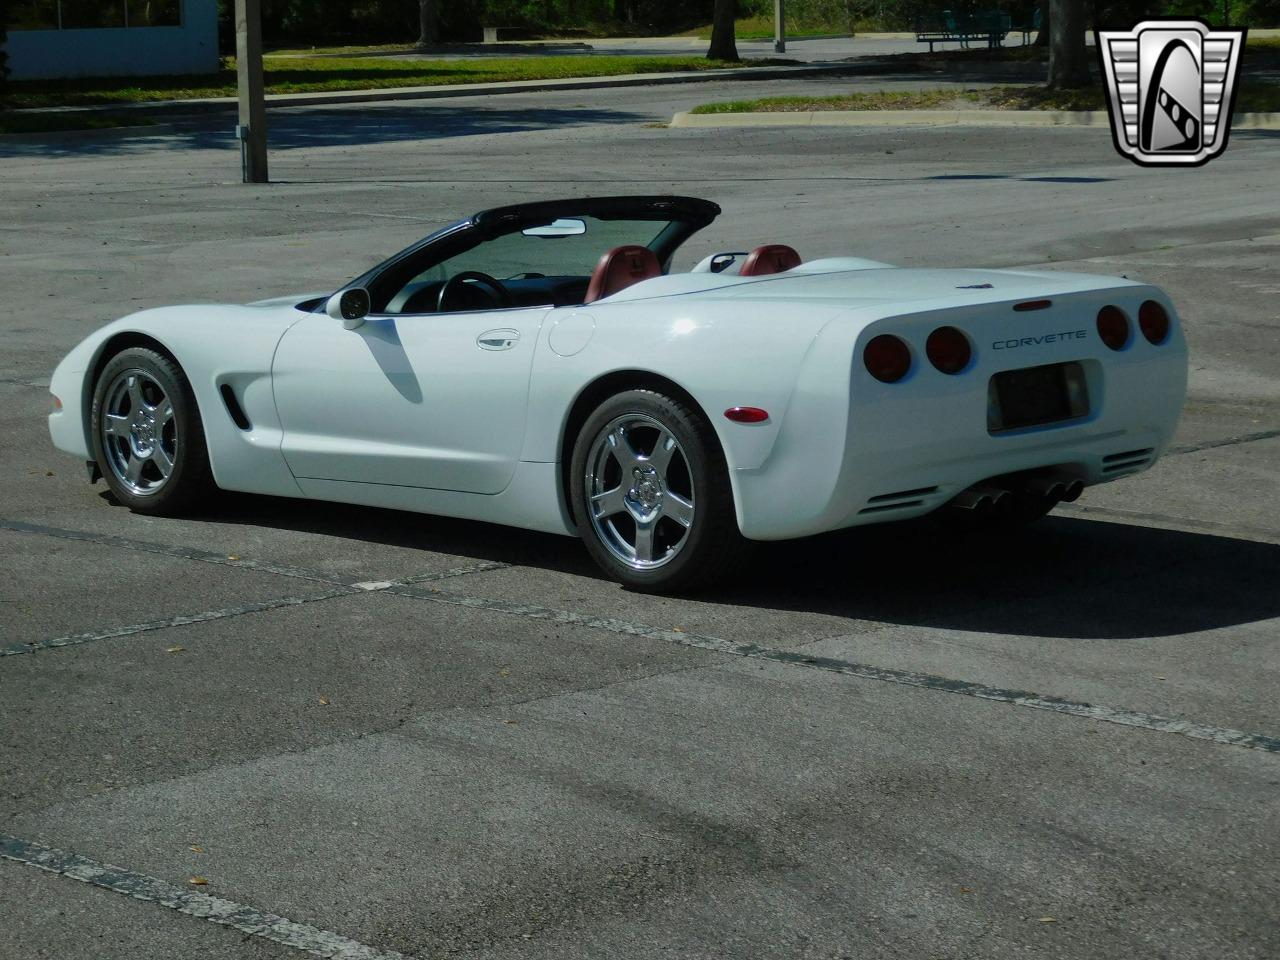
(540, 366)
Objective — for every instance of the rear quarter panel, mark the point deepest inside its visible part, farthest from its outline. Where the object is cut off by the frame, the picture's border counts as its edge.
(724, 354)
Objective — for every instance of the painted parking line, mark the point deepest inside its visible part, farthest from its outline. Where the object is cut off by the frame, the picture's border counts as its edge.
(139, 886)
(225, 560)
(370, 586)
(342, 588)
(1022, 698)
(166, 550)
(130, 630)
(1019, 698)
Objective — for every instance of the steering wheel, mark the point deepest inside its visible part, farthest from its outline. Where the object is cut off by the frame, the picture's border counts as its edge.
(499, 296)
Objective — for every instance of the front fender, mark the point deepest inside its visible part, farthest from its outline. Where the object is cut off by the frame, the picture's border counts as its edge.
(215, 346)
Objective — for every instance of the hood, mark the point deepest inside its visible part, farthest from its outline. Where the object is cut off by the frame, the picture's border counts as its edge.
(291, 301)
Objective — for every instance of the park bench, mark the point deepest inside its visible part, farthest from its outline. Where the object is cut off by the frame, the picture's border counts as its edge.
(948, 27)
(1028, 27)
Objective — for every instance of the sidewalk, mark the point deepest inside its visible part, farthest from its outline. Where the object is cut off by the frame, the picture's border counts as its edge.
(869, 66)
(443, 91)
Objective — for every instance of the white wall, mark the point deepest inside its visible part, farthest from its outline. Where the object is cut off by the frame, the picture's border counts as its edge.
(124, 51)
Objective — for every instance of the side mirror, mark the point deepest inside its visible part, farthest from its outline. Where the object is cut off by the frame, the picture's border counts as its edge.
(350, 306)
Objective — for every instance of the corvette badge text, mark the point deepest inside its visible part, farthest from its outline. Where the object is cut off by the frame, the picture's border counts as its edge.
(1033, 341)
(1171, 87)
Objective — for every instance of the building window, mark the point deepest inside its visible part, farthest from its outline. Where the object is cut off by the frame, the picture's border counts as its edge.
(93, 14)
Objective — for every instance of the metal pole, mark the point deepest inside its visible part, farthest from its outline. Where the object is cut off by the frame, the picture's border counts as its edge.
(779, 26)
(253, 105)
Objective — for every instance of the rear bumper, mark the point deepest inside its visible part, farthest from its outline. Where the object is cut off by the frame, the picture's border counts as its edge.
(902, 450)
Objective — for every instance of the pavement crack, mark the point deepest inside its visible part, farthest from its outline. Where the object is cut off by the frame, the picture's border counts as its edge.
(1227, 442)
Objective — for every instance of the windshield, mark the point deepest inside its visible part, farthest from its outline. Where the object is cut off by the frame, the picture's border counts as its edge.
(549, 263)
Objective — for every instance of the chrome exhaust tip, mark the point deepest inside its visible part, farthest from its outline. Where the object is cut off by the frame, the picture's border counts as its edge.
(979, 497)
(1071, 493)
(1049, 487)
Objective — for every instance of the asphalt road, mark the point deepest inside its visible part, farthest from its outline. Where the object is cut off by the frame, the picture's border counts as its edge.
(898, 742)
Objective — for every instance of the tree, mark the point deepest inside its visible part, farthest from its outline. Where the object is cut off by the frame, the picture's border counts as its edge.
(1068, 56)
(428, 23)
(1042, 37)
(4, 54)
(723, 44)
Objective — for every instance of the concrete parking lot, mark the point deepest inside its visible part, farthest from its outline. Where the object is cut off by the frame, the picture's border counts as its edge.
(284, 727)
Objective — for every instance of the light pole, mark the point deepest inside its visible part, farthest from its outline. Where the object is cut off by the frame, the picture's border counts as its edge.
(252, 128)
(779, 26)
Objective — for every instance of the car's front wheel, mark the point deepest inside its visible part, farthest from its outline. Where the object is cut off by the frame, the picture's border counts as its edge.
(651, 494)
(147, 435)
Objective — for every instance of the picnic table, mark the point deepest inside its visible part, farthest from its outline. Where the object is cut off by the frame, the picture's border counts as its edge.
(947, 26)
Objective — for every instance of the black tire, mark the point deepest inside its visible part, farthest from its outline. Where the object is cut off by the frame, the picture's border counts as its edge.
(179, 440)
(711, 545)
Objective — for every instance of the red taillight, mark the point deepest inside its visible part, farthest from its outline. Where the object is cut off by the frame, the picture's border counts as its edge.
(747, 414)
(948, 349)
(1113, 327)
(887, 358)
(1154, 321)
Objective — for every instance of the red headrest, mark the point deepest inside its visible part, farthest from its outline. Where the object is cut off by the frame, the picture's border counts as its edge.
(771, 258)
(619, 269)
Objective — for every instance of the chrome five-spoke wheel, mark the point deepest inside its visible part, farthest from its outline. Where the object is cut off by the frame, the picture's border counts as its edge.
(147, 436)
(641, 491)
(139, 433)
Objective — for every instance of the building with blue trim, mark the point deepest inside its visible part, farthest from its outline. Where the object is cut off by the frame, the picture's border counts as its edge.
(110, 38)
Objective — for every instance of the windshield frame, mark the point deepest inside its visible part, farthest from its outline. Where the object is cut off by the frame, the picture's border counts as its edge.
(684, 216)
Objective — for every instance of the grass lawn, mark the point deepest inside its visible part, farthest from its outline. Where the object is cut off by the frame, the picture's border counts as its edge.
(301, 75)
(59, 122)
(1254, 97)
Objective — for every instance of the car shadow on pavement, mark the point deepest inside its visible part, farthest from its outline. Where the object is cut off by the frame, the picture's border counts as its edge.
(1065, 576)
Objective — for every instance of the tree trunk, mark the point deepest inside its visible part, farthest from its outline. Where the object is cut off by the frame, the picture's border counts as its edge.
(1042, 38)
(1068, 56)
(428, 24)
(723, 44)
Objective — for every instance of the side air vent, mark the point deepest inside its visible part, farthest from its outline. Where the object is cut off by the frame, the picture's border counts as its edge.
(234, 408)
(1129, 460)
(898, 501)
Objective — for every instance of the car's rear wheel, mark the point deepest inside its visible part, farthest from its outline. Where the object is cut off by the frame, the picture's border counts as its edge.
(651, 494)
(147, 435)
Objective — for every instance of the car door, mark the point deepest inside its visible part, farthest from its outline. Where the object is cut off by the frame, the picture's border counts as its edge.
(435, 400)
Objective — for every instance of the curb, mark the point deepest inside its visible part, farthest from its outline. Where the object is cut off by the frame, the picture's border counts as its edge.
(445, 91)
(935, 118)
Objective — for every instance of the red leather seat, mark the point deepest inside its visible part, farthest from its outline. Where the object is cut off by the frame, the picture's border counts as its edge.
(771, 258)
(619, 269)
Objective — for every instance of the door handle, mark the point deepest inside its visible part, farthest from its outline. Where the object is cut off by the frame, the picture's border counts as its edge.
(503, 339)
